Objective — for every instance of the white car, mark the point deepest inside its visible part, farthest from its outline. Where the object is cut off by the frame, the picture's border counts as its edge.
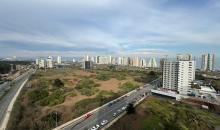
(104, 122)
(123, 108)
(114, 114)
(96, 127)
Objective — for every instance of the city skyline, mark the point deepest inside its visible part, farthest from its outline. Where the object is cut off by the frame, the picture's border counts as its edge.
(103, 27)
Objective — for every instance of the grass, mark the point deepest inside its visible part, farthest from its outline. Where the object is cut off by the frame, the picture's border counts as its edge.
(128, 86)
(106, 75)
(37, 94)
(87, 86)
(157, 114)
(86, 105)
(55, 98)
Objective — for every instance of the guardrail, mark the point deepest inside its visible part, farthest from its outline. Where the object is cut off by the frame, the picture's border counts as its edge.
(81, 117)
(120, 116)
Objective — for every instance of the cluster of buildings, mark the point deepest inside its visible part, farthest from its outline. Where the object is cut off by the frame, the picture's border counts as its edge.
(179, 77)
(48, 62)
(124, 61)
(208, 61)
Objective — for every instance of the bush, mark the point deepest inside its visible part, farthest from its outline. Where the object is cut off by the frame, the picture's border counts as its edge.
(58, 83)
(128, 86)
(37, 95)
(87, 87)
(55, 98)
(51, 119)
(120, 76)
(4, 68)
(103, 77)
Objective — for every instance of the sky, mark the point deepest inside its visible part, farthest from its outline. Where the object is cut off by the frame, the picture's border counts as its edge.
(30, 28)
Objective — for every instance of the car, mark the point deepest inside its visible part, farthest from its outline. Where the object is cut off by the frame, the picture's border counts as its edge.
(87, 116)
(114, 114)
(104, 122)
(119, 110)
(96, 127)
(123, 108)
(93, 128)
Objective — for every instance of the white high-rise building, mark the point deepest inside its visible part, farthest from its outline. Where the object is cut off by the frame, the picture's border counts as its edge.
(59, 60)
(184, 57)
(178, 75)
(135, 62)
(109, 59)
(114, 61)
(170, 75)
(186, 75)
(125, 61)
(49, 62)
(93, 59)
(37, 61)
(208, 62)
(86, 58)
(152, 63)
(41, 63)
(103, 60)
(120, 60)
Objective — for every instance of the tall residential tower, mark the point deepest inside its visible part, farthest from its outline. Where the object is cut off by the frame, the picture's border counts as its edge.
(208, 62)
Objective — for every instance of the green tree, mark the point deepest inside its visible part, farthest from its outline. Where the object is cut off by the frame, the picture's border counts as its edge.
(130, 109)
(58, 83)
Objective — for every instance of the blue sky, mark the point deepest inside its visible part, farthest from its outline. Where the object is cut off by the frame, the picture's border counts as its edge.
(101, 27)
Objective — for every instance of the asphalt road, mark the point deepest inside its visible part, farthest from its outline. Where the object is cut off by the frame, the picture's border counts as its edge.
(15, 85)
(106, 113)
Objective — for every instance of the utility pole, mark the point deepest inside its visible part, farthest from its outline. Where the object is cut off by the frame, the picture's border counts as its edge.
(56, 118)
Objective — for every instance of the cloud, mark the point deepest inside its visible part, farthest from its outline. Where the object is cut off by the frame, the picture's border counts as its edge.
(108, 26)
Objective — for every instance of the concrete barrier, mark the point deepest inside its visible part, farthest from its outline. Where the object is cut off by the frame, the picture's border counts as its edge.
(9, 109)
(120, 116)
(81, 117)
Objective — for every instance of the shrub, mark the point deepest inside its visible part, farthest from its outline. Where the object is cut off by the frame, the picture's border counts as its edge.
(103, 77)
(128, 86)
(58, 83)
(55, 98)
(87, 87)
(37, 94)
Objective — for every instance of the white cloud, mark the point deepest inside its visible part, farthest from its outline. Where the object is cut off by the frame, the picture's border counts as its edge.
(120, 26)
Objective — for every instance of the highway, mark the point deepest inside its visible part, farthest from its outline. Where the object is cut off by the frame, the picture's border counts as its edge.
(12, 87)
(106, 112)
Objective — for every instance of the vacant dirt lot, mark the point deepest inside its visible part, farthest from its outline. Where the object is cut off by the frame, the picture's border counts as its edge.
(71, 78)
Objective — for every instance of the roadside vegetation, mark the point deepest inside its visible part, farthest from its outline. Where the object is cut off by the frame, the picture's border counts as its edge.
(128, 86)
(156, 114)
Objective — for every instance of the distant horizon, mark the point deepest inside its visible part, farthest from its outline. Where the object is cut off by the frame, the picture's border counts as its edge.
(69, 58)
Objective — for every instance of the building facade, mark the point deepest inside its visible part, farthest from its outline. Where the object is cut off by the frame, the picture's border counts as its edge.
(208, 62)
(184, 57)
(178, 75)
(152, 63)
(59, 60)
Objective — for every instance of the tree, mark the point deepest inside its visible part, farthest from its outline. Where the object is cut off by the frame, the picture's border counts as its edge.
(130, 109)
(151, 73)
(58, 83)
